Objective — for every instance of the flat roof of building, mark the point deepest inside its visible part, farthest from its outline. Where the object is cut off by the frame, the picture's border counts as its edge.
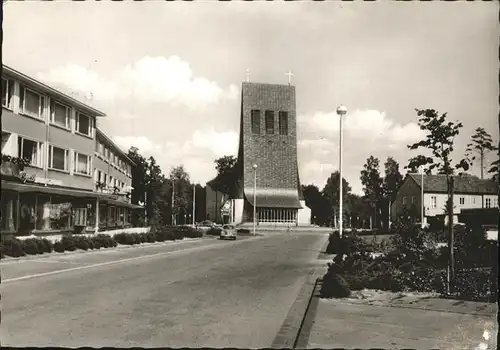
(47, 89)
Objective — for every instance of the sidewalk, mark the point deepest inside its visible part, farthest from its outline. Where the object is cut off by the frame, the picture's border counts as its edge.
(372, 319)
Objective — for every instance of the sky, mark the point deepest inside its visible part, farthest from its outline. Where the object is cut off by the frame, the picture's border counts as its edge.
(168, 74)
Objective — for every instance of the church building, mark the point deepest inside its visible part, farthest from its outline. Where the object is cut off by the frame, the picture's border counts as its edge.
(267, 162)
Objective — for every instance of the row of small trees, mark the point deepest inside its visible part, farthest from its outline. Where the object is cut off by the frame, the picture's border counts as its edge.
(380, 191)
(168, 199)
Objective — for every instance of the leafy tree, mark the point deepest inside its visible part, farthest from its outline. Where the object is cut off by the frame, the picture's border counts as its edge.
(372, 185)
(481, 143)
(331, 193)
(318, 204)
(183, 193)
(147, 180)
(440, 141)
(227, 174)
(392, 181)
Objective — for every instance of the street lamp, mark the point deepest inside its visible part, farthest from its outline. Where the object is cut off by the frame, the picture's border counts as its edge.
(341, 111)
(254, 197)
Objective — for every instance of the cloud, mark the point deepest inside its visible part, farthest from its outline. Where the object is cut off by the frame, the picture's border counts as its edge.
(219, 144)
(364, 124)
(144, 144)
(148, 80)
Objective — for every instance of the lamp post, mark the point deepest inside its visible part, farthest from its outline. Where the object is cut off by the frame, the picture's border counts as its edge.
(194, 205)
(341, 111)
(422, 199)
(254, 197)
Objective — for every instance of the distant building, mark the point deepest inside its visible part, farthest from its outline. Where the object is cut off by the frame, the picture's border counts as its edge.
(470, 192)
(57, 190)
(268, 139)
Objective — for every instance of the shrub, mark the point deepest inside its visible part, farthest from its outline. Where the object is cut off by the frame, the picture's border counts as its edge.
(214, 231)
(59, 246)
(243, 231)
(164, 234)
(150, 237)
(334, 286)
(81, 242)
(474, 284)
(104, 240)
(68, 243)
(47, 245)
(124, 238)
(12, 247)
(30, 246)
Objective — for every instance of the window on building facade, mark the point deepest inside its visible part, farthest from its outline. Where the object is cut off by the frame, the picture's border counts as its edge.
(495, 202)
(462, 200)
(31, 103)
(473, 200)
(60, 213)
(59, 114)
(413, 200)
(255, 116)
(404, 200)
(43, 212)
(31, 150)
(82, 164)
(27, 213)
(7, 92)
(270, 122)
(433, 202)
(8, 219)
(83, 124)
(283, 123)
(58, 158)
(487, 202)
(106, 153)
(100, 148)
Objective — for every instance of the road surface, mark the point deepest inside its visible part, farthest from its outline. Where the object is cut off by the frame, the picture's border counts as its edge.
(190, 294)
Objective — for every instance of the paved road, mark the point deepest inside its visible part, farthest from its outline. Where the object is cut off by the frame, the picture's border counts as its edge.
(202, 293)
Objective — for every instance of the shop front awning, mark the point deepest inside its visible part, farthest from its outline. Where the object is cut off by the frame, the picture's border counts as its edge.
(61, 191)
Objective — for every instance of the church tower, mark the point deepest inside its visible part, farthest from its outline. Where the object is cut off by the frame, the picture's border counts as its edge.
(268, 139)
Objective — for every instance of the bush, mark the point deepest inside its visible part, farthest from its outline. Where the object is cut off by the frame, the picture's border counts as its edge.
(69, 243)
(31, 247)
(214, 231)
(124, 238)
(47, 245)
(334, 286)
(81, 242)
(59, 246)
(243, 231)
(104, 241)
(150, 237)
(475, 284)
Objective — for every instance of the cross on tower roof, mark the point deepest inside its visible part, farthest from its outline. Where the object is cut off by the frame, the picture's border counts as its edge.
(289, 77)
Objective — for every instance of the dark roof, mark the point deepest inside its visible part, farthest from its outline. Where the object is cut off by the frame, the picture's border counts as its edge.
(462, 184)
(274, 199)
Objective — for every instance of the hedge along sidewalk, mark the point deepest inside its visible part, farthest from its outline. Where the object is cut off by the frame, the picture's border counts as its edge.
(111, 233)
(119, 246)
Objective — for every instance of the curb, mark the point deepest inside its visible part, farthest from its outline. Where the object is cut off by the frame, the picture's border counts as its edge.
(290, 329)
(291, 333)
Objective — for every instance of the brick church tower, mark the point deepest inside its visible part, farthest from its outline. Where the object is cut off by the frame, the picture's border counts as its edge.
(268, 139)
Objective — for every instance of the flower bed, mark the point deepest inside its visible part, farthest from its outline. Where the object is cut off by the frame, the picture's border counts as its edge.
(14, 247)
(411, 261)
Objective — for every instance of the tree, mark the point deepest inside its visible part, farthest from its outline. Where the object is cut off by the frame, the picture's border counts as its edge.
(147, 181)
(372, 185)
(227, 174)
(331, 192)
(392, 181)
(481, 143)
(440, 141)
(183, 193)
(318, 204)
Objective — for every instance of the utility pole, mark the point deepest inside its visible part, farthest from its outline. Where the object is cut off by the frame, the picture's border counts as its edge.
(194, 204)
(173, 201)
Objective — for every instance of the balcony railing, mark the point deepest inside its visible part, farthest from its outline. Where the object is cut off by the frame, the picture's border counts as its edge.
(13, 168)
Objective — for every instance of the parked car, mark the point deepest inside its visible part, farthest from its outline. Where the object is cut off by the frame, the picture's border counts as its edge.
(204, 226)
(228, 232)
